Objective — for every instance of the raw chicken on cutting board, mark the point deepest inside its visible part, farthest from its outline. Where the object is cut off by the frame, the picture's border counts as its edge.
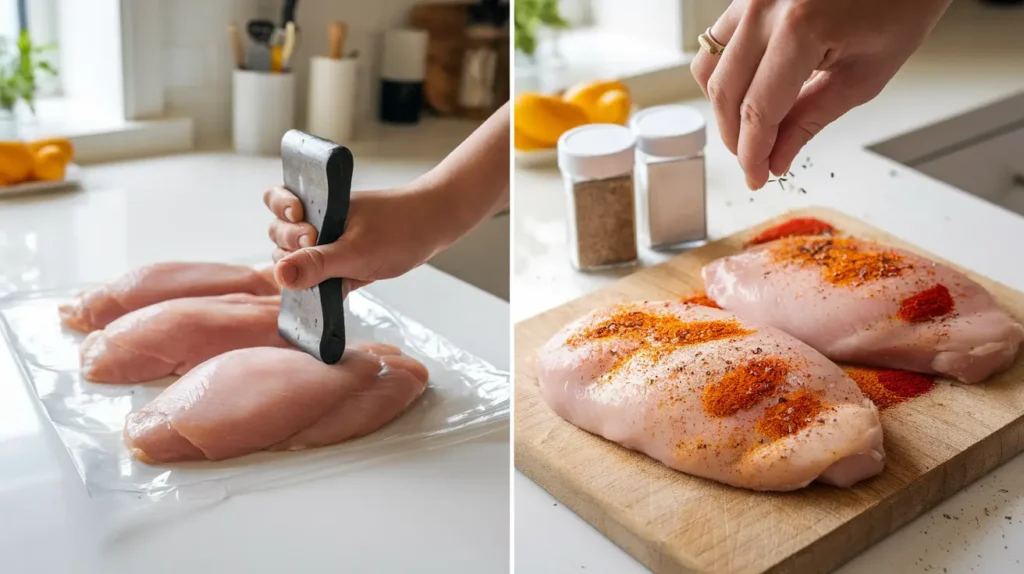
(712, 395)
(270, 398)
(862, 302)
(172, 337)
(98, 307)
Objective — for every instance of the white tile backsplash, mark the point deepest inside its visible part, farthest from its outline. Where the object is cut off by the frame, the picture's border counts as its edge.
(197, 63)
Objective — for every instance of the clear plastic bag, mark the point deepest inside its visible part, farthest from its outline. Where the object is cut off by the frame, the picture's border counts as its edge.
(466, 397)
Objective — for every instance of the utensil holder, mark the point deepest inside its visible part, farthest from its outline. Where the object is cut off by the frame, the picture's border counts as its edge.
(263, 109)
(332, 98)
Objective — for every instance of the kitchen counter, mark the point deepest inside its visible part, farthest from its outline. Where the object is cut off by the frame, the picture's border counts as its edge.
(975, 57)
(438, 510)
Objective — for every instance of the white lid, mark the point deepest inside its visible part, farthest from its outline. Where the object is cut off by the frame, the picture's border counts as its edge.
(405, 55)
(669, 131)
(596, 151)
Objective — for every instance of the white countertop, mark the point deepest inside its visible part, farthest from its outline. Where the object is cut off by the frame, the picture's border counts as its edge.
(440, 510)
(975, 57)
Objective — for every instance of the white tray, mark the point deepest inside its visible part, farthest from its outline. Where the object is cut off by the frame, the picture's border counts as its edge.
(71, 179)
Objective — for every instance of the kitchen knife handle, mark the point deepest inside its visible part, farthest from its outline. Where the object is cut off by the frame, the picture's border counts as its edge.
(336, 34)
(235, 37)
(289, 46)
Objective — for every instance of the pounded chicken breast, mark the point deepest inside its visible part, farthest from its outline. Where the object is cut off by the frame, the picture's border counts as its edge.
(862, 302)
(712, 395)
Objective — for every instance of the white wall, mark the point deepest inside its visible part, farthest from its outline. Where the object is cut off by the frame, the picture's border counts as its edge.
(197, 62)
(85, 28)
(654, 23)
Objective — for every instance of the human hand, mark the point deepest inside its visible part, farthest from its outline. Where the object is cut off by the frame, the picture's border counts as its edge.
(387, 233)
(791, 67)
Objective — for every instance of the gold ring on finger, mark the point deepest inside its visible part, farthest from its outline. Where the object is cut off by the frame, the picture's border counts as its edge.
(709, 43)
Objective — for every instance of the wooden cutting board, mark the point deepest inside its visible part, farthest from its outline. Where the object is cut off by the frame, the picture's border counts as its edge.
(671, 522)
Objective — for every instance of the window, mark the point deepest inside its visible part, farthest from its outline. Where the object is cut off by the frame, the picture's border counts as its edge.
(39, 17)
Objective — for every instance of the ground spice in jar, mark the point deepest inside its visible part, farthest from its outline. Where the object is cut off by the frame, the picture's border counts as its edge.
(926, 305)
(800, 226)
(886, 388)
(604, 222)
(841, 261)
(655, 334)
(793, 413)
(745, 386)
(597, 162)
(702, 300)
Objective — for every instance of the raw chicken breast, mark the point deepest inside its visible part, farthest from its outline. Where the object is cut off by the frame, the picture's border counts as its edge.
(98, 307)
(172, 337)
(712, 395)
(252, 399)
(861, 302)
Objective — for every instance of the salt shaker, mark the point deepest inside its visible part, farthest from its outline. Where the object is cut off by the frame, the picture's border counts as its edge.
(596, 161)
(670, 176)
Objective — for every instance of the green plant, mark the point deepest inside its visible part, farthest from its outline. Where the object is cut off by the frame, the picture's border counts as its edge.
(531, 14)
(18, 69)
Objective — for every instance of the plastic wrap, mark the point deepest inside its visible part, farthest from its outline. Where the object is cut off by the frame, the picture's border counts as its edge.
(466, 397)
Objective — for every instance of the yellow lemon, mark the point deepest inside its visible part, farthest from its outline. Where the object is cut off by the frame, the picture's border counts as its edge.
(524, 142)
(545, 118)
(15, 162)
(587, 94)
(66, 148)
(50, 163)
(612, 108)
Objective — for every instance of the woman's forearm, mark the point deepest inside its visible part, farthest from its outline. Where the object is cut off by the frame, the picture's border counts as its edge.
(472, 183)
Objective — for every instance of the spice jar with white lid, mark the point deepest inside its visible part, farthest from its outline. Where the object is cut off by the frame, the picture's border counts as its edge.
(670, 176)
(596, 161)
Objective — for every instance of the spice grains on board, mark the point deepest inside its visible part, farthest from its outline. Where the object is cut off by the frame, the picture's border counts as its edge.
(605, 222)
(887, 388)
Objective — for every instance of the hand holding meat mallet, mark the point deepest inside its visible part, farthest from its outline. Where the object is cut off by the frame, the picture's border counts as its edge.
(389, 232)
(778, 71)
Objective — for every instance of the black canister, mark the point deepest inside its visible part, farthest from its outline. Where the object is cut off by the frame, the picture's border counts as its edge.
(403, 71)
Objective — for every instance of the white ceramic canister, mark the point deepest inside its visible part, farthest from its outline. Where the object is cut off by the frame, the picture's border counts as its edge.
(263, 109)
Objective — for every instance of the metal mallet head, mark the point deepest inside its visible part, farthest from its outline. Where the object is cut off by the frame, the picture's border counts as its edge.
(319, 173)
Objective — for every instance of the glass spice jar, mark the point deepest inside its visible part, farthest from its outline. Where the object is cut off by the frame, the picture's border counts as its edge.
(670, 176)
(596, 162)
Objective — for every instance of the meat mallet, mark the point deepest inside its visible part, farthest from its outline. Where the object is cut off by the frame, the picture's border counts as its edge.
(319, 173)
